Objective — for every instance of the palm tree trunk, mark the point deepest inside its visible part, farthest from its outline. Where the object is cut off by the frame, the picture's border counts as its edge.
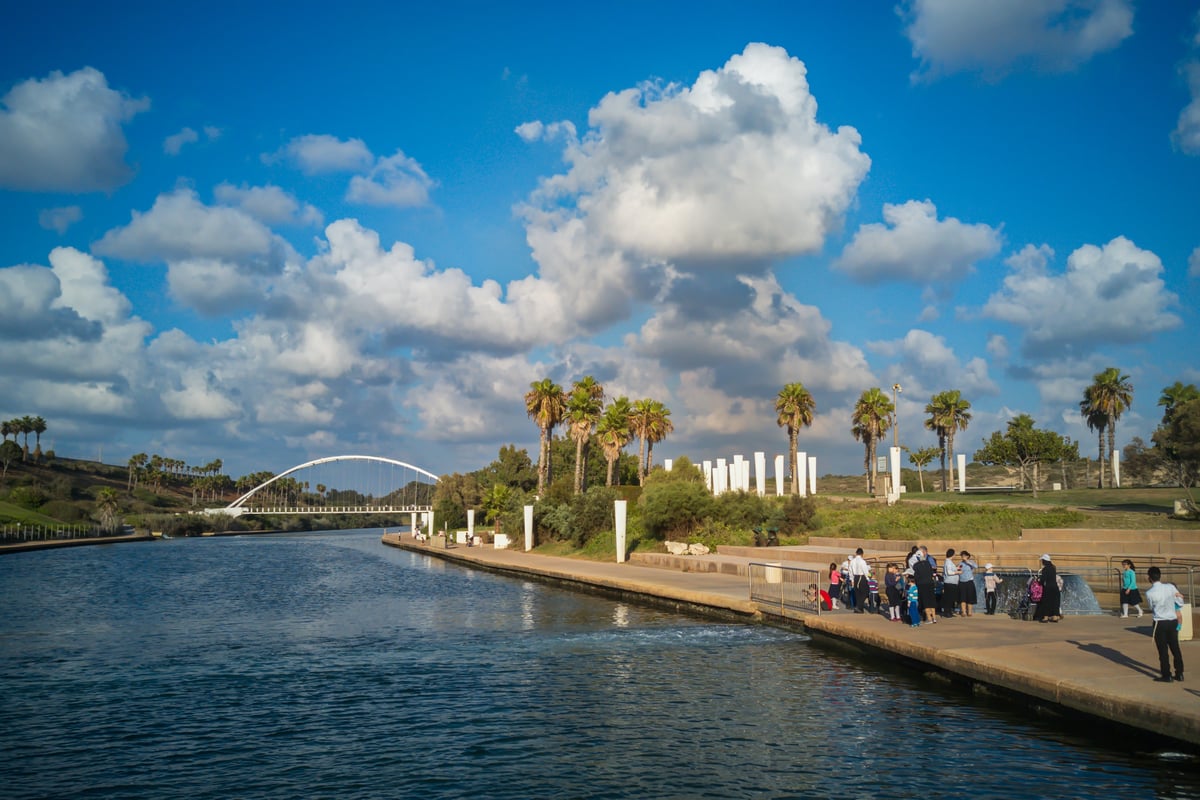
(543, 459)
(1112, 445)
(874, 468)
(641, 461)
(578, 466)
(793, 448)
(611, 462)
(1100, 437)
(950, 458)
(867, 463)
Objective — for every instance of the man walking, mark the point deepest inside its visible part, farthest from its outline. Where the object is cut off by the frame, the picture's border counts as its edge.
(1166, 605)
(858, 575)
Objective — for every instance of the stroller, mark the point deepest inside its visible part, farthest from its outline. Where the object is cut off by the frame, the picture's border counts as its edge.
(1027, 604)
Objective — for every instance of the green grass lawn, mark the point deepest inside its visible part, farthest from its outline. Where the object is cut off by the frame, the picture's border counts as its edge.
(13, 514)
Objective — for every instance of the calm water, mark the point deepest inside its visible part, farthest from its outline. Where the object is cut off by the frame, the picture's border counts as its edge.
(328, 665)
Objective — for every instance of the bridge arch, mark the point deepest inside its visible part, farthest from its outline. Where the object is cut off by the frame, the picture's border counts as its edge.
(238, 506)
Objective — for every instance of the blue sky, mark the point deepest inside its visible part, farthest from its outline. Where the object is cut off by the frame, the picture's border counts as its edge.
(264, 235)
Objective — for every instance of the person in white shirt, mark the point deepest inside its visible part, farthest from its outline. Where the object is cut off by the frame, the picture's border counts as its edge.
(858, 574)
(1166, 606)
(950, 587)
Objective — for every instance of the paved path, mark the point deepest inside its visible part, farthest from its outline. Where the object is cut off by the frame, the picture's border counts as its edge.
(1100, 666)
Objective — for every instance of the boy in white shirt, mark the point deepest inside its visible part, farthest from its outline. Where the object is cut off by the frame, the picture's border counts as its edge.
(1166, 606)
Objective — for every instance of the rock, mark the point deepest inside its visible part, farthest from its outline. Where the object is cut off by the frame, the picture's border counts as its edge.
(677, 548)
(697, 550)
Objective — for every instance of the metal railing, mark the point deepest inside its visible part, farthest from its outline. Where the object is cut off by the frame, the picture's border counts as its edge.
(20, 534)
(784, 590)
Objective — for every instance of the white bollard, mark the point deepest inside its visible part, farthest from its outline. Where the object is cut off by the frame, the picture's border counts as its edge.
(668, 463)
(528, 528)
(961, 458)
(779, 476)
(1116, 469)
(619, 511)
(760, 473)
(812, 474)
(471, 523)
(802, 473)
(894, 468)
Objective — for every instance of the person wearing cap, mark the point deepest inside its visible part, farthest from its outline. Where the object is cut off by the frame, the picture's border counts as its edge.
(913, 594)
(1049, 608)
(990, 581)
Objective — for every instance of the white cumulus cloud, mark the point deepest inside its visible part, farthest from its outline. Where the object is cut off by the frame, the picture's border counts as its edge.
(175, 142)
(1194, 264)
(913, 245)
(64, 133)
(991, 36)
(723, 176)
(393, 181)
(268, 204)
(1109, 294)
(320, 153)
(926, 361)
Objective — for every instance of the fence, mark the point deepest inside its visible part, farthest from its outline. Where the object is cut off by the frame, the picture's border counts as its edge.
(1103, 573)
(786, 591)
(17, 534)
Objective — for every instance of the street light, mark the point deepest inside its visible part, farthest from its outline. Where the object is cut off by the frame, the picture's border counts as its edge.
(896, 415)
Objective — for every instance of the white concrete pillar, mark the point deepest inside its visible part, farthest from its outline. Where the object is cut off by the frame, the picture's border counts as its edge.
(812, 474)
(471, 522)
(720, 476)
(894, 469)
(746, 475)
(708, 476)
(802, 472)
(735, 477)
(668, 463)
(1116, 469)
(760, 473)
(619, 511)
(528, 528)
(412, 523)
(431, 523)
(779, 476)
(961, 458)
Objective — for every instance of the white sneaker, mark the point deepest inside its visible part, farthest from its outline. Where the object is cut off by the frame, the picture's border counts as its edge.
(1124, 616)
(1139, 613)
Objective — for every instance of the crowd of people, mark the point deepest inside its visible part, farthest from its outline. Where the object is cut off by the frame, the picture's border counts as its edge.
(924, 591)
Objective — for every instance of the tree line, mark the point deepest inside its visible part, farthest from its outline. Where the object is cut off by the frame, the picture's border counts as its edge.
(23, 426)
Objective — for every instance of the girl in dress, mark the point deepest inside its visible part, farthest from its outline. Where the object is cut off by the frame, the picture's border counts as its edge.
(835, 580)
(1130, 596)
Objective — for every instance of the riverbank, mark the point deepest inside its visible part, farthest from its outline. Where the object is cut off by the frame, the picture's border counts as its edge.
(23, 547)
(1087, 667)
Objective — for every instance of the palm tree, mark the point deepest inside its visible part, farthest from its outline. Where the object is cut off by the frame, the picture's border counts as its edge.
(39, 427)
(1175, 396)
(921, 459)
(613, 432)
(583, 408)
(106, 508)
(8, 429)
(948, 414)
(1109, 396)
(1096, 420)
(25, 425)
(659, 428)
(545, 403)
(794, 407)
(871, 418)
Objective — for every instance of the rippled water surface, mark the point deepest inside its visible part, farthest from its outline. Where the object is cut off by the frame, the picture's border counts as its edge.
(328, 665)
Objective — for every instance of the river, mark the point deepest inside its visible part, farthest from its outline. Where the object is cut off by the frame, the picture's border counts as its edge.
(328, 665)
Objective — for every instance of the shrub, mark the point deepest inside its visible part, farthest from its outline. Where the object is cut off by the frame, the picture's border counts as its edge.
(31, 497)
(799, 514)
(674, 509)
(741, 510)
(64, 511)
(592, 512)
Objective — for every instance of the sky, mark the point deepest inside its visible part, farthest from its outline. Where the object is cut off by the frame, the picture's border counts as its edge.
(236, 231)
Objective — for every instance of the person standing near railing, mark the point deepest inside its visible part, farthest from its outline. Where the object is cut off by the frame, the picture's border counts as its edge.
(950, 590)
(1130, 596)
(859, 570)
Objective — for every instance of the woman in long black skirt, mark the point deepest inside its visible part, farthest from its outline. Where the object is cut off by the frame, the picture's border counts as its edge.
(1049, 608)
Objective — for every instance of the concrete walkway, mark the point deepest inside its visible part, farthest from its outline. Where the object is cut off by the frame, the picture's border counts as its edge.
(1097, 666)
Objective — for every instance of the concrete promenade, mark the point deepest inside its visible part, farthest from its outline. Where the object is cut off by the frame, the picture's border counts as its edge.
(1095, 666)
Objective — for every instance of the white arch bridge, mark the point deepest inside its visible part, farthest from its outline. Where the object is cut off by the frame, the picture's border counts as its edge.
(351, 484)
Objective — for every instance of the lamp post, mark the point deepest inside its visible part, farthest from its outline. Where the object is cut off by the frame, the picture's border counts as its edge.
(896, 414)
